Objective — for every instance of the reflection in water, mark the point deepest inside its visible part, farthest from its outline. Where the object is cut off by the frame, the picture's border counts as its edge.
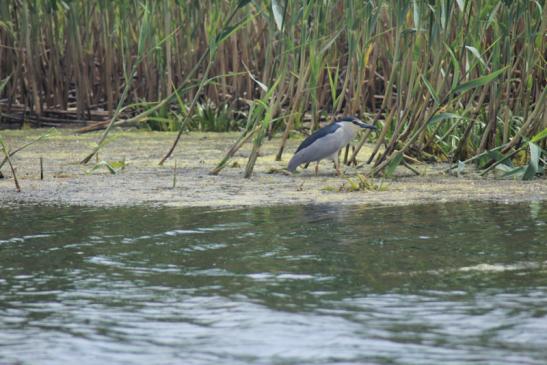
(447, 283)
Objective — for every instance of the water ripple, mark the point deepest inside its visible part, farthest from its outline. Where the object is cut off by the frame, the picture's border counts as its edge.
(450, 284)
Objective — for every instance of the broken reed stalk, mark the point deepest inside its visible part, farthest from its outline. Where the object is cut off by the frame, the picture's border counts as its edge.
(237, 145)
(537, 111)
(262, 120)
(474, 158)
(175, 175)
(7, 155)
(353, 158)
(187, 115)
(361, 57)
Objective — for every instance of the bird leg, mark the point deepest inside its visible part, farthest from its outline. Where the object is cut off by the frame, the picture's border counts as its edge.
(336, 159)
(317, 168)
(346, 153)
(337, 165)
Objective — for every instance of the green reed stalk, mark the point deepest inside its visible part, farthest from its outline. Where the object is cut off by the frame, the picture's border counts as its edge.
(395, 60)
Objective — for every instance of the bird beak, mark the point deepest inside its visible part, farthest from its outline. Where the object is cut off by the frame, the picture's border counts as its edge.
(366, 126)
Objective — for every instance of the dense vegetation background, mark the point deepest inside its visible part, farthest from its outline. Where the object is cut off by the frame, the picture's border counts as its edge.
(443, 80)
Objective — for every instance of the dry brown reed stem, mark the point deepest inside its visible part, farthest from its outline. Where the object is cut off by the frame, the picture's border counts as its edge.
(350, 57)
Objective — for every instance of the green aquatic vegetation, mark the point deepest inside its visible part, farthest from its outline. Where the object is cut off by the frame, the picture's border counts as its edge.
(362, 183)
(113, 167)
(445, 81)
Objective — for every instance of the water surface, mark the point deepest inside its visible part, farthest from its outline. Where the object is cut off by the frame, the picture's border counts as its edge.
(431, 284)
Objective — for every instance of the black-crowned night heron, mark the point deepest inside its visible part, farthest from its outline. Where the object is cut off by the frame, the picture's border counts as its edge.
(327, 141)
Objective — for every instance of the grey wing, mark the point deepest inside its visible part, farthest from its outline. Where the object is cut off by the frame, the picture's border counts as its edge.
(321, 148)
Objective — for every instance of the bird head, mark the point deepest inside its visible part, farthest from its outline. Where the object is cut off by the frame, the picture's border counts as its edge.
(356, 122)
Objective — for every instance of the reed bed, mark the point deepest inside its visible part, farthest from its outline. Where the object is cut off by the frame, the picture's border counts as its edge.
(444, 81)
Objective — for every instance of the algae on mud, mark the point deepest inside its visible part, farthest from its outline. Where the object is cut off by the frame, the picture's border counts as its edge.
(144, 182)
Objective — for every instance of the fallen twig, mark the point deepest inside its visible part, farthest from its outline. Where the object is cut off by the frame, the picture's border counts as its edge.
(6, 153)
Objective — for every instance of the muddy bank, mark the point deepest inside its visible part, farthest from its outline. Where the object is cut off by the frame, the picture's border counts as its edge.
(144, 182)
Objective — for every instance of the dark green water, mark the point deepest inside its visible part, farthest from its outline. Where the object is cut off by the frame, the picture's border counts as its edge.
(437, 284)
